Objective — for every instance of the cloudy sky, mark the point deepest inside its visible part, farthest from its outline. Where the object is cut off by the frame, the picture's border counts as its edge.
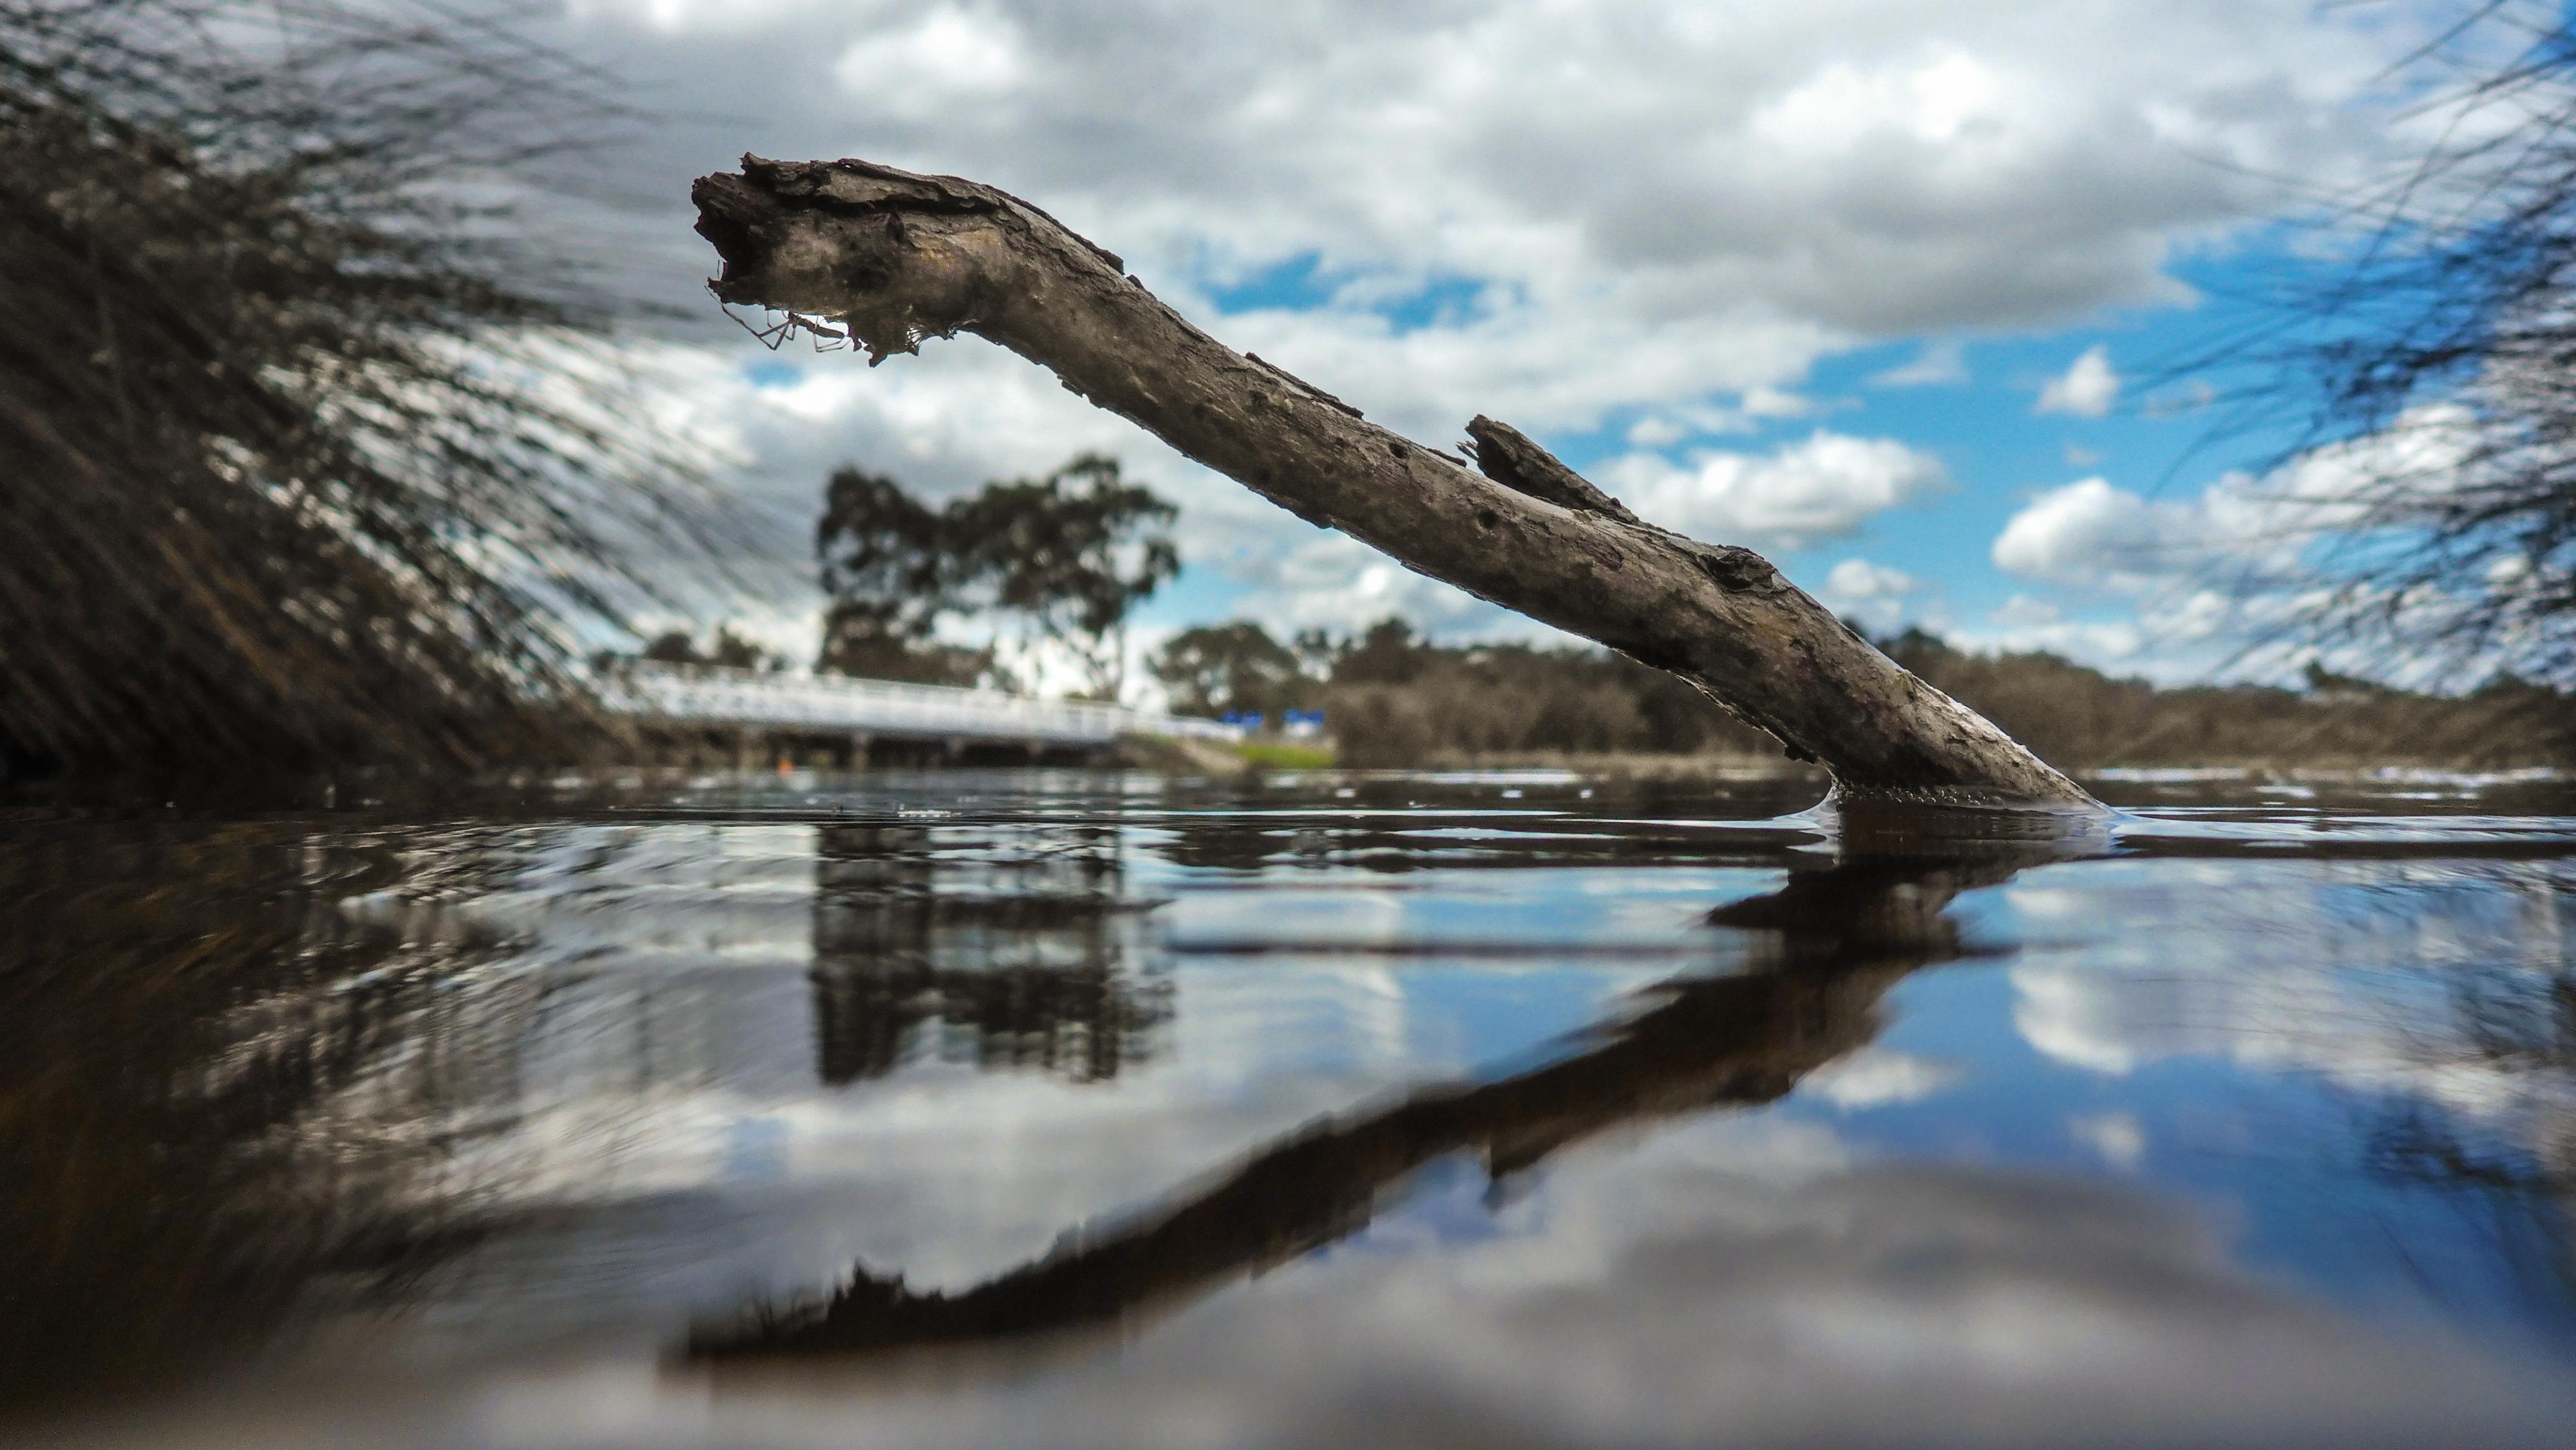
(1870, 285)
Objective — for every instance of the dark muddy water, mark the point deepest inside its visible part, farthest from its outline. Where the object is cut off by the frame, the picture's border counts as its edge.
(993, 1110)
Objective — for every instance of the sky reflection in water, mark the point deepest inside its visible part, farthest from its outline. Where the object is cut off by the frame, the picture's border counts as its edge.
(983, 1110)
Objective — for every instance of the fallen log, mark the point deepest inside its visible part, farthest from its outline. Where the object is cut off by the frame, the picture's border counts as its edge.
(897, 258)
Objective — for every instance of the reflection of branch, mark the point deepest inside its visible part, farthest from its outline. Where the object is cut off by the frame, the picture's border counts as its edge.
(1837, 939)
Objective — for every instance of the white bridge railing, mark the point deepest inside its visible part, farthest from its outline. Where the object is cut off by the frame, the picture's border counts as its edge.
(707, 695)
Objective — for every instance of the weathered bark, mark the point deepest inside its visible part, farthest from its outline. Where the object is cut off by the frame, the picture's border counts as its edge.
(898, 258)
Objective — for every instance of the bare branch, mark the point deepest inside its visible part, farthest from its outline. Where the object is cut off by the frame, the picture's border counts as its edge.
(1509, 458)
(900, 258)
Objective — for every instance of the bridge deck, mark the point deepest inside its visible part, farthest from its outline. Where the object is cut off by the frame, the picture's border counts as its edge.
(750, 699)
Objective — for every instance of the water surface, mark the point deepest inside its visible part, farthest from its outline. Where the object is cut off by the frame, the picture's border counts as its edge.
(1067, 1110)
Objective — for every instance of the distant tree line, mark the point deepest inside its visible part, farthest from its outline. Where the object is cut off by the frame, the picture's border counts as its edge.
(1394, 699)
(2080, 717)
(724, 649)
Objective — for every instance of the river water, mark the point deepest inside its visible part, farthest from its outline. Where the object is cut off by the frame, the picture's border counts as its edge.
(991, 1110)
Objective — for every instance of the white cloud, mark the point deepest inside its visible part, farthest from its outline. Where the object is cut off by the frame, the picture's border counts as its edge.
(1845, 106)
(1879, 599)
(2117, 1137)
(1335, 582)
(2090, 534)
(2086, 389)
(1879, 1077)
(2093, 535)
(1861, 168)
(2062, 1019)
(1677, 422)
(949, 57)
(2022, 624)
(1857, 579)
(1939, 364)
(1825, 487)
(1638, 209)
(1656, 432)
(1541, 368)
(2212, 576)
(1770, 402)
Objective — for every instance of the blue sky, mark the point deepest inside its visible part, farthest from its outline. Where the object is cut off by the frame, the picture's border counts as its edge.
(1796, 274)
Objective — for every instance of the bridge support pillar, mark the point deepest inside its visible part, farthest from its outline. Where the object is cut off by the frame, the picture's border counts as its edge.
(860, 740)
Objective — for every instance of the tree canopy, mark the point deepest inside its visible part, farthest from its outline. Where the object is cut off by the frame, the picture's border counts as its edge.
(890, 573)
(1072, 554)
(1221, 669)
(724, 650)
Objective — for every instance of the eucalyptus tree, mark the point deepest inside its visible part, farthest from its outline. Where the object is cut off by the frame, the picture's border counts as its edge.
(1073, 553)
(1229, 668)
(1070, 554)
(890, 575)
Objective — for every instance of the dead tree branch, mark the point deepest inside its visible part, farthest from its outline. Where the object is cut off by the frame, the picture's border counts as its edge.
(898, 258)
